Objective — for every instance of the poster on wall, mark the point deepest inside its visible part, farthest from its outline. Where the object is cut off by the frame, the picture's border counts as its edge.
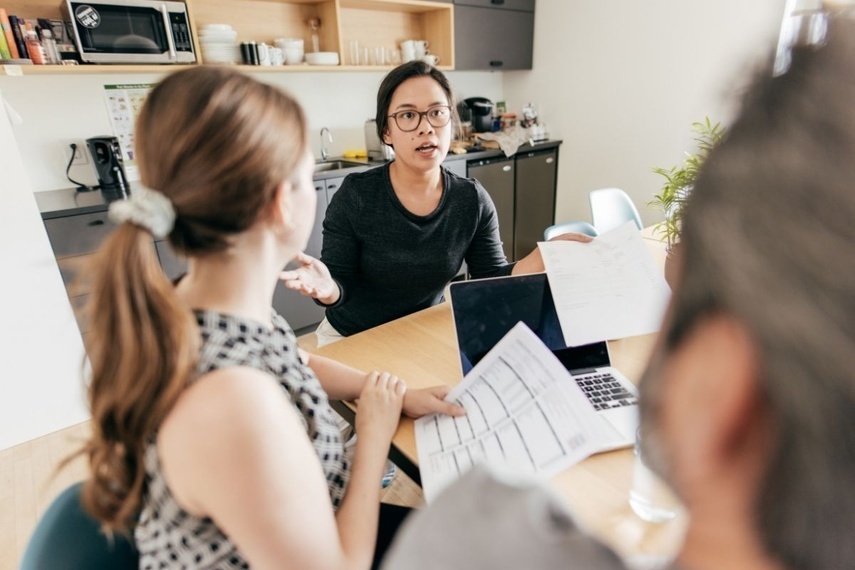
(123, 105)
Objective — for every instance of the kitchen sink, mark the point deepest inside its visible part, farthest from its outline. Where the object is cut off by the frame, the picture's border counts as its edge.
(328, 165)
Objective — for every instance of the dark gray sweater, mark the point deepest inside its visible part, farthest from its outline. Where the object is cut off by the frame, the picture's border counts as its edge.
(390, 262)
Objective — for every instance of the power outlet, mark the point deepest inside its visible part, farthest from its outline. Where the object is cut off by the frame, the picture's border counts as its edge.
(81, 153)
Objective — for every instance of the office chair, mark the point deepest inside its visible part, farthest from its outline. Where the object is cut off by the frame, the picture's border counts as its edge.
(612, 207)
(67, 537)
(579, 227)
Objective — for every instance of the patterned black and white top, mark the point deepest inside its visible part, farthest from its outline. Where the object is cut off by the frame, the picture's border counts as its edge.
(169, 537)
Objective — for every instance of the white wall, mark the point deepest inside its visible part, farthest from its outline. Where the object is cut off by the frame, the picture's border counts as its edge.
(61, 107)
(41, 353)
(621, 81)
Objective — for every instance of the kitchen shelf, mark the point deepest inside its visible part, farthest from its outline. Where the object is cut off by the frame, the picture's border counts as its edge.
(16, 70)
(373, 23)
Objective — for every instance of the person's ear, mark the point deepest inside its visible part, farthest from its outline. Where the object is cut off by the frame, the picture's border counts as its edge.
(387, 139)
(281, 208)
(716, 374)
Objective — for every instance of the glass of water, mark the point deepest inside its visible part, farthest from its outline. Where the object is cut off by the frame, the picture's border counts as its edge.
(650, 498)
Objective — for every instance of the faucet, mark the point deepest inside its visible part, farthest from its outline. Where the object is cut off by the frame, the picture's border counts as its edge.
(325, 153)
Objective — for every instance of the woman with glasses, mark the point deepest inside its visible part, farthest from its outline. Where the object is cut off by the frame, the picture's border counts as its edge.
(394, 236)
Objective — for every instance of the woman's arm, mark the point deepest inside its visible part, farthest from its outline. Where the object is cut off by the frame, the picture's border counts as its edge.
(233, 449)
(342, 382)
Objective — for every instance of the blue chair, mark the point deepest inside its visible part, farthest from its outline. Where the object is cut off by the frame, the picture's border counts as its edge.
(579, 227)
(612, 207)
(67, 537)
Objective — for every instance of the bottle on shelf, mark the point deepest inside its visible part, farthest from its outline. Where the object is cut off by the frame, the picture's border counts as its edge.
(35, 49)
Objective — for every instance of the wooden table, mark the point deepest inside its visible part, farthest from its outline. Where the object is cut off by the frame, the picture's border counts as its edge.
(421, 349)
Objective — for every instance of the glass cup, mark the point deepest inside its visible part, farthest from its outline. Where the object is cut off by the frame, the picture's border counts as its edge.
(393, 56)
(354, 52)
(650, 498)
(378, 56)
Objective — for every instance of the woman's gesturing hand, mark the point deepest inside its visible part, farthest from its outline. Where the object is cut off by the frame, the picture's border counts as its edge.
(379, 409)
(312, 278)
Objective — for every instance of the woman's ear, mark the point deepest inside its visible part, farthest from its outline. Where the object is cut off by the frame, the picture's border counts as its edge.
(386, 138)
(281, 208)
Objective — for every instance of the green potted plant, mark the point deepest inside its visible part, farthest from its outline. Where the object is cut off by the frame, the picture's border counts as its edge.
(678, 183)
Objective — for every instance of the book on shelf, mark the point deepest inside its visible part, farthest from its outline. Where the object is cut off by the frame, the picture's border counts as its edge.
(18, 28)
(8, 48)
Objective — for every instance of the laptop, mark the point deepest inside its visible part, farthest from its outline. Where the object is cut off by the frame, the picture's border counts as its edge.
(484, 310)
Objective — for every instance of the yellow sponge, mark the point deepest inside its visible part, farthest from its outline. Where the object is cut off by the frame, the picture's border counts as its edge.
(360, 153)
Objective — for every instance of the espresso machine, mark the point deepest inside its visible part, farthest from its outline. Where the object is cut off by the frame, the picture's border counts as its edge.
(107, 156)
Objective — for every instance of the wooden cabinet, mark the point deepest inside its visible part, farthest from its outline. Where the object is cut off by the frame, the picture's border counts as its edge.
(493, 34)
(373, 23)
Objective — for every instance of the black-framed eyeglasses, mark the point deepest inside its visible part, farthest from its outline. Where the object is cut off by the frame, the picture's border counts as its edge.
(408, 121)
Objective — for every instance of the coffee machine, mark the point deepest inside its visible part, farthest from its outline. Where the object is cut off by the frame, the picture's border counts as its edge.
(107, 156)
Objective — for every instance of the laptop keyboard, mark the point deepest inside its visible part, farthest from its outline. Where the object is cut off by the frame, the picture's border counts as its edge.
(604, 392)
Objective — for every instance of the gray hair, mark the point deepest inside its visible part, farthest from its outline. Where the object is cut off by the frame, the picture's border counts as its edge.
(769, 238)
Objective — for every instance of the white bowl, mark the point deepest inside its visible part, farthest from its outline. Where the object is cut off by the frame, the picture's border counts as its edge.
(216, 27)
(218, 38)
(288, 42)
(322, 58)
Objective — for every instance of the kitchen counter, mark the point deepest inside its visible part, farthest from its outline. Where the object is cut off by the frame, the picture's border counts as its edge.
(495, 153)
(70, 202)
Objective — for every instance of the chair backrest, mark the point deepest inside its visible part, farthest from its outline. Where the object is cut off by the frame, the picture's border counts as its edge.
(612, 207)
(67, 537)
(577, 227)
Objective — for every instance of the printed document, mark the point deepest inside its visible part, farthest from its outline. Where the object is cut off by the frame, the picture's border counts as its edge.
(523, 410)
(607, 289)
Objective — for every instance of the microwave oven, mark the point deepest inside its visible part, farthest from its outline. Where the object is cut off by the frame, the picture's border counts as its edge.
(131, 31)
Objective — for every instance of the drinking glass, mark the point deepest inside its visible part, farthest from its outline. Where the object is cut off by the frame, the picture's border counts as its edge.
(650, 498)
(378, 56)
(354, 52)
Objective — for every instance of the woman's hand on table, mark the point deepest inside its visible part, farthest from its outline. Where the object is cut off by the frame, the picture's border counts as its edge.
(380, 406)
(418, 403)
(533, 262)
(312, 279)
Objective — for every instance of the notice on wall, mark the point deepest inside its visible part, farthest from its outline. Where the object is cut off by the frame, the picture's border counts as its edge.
(123, 105)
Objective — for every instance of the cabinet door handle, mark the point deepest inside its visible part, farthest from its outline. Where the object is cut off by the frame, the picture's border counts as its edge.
(332, 186)
(550, 160)
(506, 168)
(496, 63)
(96, 223)
(498, 2)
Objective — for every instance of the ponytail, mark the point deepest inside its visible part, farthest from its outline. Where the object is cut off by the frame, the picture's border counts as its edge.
(143, 345)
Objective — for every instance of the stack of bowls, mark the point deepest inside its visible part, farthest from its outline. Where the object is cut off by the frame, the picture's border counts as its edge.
(292, 48)
(219, 45)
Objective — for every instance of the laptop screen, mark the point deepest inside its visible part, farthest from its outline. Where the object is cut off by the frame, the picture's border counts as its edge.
(486, 309)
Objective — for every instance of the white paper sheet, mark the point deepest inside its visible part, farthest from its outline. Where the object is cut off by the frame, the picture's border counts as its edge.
(523, 410)
(608, 289)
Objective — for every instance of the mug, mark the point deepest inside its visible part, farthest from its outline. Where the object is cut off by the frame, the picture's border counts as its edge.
(421, 48)
(293, 55)
(408, 50)
(431, 59)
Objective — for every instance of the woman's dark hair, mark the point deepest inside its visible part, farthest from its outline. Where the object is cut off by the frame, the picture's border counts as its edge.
(396, 77)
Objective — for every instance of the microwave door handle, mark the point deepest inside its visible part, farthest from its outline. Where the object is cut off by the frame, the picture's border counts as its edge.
(164, 11)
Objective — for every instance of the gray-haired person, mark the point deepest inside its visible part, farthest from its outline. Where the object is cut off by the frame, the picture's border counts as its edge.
(749, 400)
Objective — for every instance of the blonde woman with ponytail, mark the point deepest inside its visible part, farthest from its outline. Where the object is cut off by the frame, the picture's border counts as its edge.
(213, 440)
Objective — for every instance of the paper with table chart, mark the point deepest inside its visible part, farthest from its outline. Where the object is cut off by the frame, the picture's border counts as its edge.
(523, 409)
(607, 289)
